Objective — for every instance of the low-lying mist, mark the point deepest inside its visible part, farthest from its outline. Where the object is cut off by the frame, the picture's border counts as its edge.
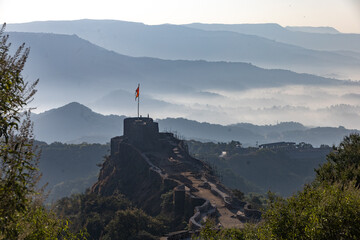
(310, 105)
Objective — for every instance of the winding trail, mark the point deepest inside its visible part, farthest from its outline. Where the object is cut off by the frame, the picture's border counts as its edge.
(226, 218)
(216, 197)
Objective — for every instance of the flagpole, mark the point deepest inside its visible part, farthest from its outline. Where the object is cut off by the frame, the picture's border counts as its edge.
(138, 100)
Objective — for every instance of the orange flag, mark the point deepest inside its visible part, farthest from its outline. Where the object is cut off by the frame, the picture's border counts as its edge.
(137, 93)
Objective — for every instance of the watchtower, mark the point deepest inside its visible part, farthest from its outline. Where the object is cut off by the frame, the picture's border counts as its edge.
(141, 132)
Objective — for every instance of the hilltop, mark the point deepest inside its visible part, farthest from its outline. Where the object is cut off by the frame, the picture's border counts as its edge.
(155, 172)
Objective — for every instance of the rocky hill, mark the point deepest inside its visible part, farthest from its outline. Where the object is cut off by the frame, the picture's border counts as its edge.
(145, 164)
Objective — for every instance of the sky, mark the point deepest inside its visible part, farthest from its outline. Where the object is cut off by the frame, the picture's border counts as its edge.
(344, 15)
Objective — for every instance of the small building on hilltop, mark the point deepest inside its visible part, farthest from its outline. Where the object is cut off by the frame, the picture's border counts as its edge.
(141, 132)
(278, 145)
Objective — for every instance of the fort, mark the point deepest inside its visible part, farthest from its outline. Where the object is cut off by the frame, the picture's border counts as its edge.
(143, 133)
(145, 164)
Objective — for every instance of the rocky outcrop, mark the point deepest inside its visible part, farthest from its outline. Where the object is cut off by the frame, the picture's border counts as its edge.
(144, 164)
(128, 172)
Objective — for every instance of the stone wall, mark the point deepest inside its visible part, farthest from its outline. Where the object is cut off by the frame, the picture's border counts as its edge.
(128, 172)
(179, 198)
(114, 145)
(143, 133)
(206, 209)
(251, 213)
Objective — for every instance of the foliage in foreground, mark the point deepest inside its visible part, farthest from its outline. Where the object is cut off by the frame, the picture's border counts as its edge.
(323, 212)
(329, 208)
(343, 164)
(22, 215)
(108, 217)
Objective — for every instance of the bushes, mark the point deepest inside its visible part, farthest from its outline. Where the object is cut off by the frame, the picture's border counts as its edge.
(132, 224)
(108, 217)
(329, 208)
(343, 164)
(322, 212)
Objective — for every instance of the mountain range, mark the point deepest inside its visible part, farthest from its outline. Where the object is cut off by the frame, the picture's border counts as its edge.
(73, 68)
(319, 38)
(76, 123)
(265, 45)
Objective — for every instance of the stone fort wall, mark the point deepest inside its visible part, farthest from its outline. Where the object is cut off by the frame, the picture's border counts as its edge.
(142, 132)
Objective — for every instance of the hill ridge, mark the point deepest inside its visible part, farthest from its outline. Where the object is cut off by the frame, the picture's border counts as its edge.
(170, 41)
(53, 125)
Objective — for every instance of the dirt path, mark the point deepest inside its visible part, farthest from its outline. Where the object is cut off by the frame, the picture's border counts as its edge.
(227, 218)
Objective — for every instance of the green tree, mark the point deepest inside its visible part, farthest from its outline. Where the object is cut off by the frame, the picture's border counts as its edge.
(22, 215)
(109, 217)
(329, 208)
(211, 232)
(18, 163)
(343, 164)
(329, 211)
(132, 224)
(15, 92)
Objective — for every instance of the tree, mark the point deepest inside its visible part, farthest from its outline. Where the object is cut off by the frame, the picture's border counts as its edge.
(329, 208)
(22, 215)
(18, 169)
(328, 211)
(15, 92)
(343, 164)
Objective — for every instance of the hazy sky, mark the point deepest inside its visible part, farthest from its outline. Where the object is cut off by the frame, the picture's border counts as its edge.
(344, 15)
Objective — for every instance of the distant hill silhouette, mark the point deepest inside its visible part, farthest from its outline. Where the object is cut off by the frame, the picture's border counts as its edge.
(265, 45)
(313, 29)
(315, 38)
(249, 134)
(73, 69)
(75, 123)
(308, 37)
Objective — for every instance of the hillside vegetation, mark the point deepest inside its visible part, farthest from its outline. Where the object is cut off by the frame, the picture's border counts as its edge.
(68, 168)
(72, 168)
(283, 170)
(22, 213)
(328, 208)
